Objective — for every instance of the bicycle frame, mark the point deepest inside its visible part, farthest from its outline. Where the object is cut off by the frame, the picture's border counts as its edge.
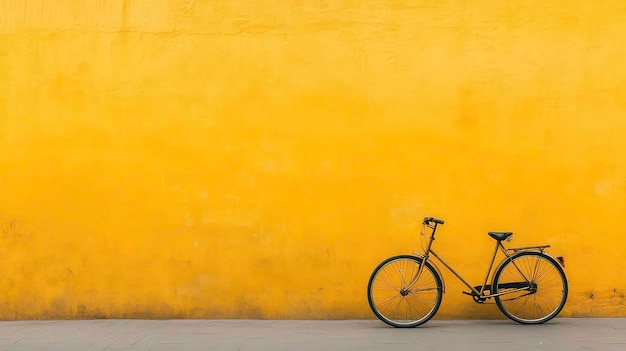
(474, 291)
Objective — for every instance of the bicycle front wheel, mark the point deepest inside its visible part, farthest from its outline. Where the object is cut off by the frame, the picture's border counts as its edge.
(400, 300)
(533, 288)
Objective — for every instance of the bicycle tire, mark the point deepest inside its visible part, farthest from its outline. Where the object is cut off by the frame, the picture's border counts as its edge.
(547, 292)
(404, 308)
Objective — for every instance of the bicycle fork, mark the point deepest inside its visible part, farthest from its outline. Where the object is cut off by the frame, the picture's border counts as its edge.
(405, 291)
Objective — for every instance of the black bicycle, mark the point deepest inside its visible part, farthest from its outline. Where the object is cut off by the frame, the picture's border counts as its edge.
(528, 285)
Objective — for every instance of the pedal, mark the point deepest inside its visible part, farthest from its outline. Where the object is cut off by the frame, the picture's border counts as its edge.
(469, 293)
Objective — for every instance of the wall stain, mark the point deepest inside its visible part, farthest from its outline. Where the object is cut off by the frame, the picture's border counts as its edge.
(125, 14)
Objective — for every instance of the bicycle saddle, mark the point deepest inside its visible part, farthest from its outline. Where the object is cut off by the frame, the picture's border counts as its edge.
(500, 235)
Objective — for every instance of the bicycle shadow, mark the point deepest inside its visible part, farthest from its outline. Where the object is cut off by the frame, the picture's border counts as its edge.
(456, 323)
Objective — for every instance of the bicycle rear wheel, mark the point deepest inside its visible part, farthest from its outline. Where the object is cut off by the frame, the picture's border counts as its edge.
(534, 288)
(395, 302)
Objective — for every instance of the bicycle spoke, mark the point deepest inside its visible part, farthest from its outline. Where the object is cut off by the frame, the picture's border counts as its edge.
(387, 281)
(397, 306)
(422, 290)
(544, 298)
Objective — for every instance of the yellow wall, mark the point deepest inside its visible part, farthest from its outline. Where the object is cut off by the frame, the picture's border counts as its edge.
(257, 159)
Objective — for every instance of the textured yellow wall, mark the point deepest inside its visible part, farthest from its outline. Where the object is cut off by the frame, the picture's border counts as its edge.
(257, 159)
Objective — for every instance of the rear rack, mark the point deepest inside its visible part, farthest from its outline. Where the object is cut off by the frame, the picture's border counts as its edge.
(539, 248)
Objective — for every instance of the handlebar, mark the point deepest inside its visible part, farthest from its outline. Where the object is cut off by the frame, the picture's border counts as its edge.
(427, 220)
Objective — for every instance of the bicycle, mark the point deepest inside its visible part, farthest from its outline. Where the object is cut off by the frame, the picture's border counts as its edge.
(528, 285)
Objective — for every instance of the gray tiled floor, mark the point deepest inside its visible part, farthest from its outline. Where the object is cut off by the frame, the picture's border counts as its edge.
(245, 335)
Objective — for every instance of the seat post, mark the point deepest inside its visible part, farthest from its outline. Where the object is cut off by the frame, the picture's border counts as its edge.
(493, 259)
